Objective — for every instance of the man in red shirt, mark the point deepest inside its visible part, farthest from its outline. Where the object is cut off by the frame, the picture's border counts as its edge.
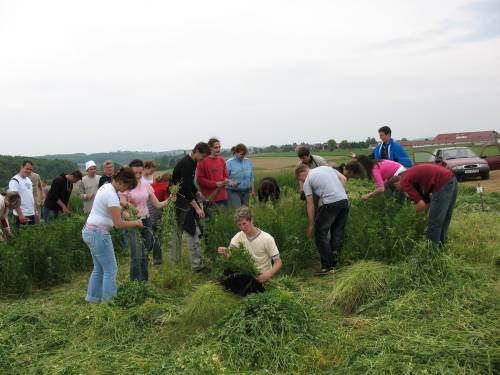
(211, 175)
(434, 188)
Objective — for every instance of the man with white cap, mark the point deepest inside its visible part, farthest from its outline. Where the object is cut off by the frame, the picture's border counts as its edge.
(89, 186)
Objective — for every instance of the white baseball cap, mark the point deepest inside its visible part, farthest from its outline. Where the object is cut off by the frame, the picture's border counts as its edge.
(89, 164)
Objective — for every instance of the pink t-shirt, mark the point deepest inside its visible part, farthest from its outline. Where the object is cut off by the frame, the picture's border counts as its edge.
(139, 196)
(385, 170)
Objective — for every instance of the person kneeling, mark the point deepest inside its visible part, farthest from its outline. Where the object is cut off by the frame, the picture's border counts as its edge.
(262, 248)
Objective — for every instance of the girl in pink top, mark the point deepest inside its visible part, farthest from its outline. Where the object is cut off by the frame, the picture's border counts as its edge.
(139, 197)
(380, 171)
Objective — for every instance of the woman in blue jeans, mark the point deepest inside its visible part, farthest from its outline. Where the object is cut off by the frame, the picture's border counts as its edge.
(105, 214)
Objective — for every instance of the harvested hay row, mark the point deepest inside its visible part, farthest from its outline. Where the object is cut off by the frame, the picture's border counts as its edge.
(356, 284)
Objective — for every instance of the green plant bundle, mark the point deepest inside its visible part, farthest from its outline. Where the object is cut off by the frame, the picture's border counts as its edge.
(134, 293)
(168, 223)
(355, 285)
(207, 305)
(239, 262)
(267, 331)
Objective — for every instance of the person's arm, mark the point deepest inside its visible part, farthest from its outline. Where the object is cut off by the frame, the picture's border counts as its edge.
(408, 188)
(377, 176)
(64, 208)
(400, 155)
(119, 223)
(310, 214)
(342, 178)
(264, 276)
(155, 200)
(198, 209)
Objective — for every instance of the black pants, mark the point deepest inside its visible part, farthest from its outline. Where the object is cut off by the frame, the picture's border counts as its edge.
(330, 218)
(241, 284)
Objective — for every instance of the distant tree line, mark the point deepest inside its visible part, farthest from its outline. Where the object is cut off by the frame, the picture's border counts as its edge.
(330, 145)
(47, 169)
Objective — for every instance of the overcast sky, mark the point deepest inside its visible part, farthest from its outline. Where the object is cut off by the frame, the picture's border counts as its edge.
(92, 76)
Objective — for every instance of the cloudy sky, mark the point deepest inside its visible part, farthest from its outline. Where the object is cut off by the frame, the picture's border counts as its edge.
(90, 76)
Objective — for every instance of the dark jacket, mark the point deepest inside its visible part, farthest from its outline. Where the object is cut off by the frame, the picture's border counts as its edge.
(183, 175)
(61, 189)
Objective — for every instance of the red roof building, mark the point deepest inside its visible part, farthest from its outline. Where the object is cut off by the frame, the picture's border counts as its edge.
(482, 137)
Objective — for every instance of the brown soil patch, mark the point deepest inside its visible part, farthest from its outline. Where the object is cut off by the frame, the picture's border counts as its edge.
(489, 186)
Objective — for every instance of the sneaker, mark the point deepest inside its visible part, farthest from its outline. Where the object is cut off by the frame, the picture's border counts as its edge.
(324, 271)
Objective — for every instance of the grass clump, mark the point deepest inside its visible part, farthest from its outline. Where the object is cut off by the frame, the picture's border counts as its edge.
(267, 331)
(381, 229)
(239, 262)
(208, 304)
(356, 284)
(134, 293)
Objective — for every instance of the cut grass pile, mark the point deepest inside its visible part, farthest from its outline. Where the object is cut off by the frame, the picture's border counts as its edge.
(353, 286)
(207, 305)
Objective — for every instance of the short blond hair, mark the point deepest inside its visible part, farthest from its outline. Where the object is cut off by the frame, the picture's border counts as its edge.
(108, 162)
(13, 199)
(243, 213)
(300, 169)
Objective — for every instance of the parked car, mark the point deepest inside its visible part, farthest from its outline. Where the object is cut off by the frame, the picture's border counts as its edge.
(491, 153)
(462, 161)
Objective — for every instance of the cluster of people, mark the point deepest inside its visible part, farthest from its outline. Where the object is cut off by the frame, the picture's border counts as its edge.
(206, 183)
(31, 200)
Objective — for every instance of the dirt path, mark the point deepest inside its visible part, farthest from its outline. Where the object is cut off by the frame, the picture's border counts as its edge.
(491, 185)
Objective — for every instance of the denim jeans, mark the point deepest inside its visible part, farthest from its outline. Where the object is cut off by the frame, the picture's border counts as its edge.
(102, 282)
(238, 198)
(138, 254)
(193, 242)
(31, 221)
(330, 218)
(440, 210)
(48, 214)
(152, 241)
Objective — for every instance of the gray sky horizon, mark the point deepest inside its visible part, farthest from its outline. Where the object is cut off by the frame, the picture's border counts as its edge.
(100, 76)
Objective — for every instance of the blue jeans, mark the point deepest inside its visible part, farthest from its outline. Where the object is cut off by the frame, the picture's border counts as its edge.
(330, 218)
(102, 282)
(440, 210)
(48, 214)
(31, 221)
(238, 198)
(152, 241)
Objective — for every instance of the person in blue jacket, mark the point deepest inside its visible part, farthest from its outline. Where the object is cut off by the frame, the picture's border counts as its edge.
(389, 149)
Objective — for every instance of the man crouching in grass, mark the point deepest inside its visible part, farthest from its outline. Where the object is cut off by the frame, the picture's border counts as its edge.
(262, 248)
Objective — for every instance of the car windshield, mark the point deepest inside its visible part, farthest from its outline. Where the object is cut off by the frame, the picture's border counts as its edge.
(457, 153)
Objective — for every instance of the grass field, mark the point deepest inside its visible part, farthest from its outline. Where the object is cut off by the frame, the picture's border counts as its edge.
(433, 312)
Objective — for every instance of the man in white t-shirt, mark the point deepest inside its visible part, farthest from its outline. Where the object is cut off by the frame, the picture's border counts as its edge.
(260, 245)
(21, 184)
(329, 186)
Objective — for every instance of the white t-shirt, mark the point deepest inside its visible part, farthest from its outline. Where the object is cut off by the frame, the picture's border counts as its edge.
(262, 248)
(325, 183)
(24, 187)
(105, 198)
(147, 180)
